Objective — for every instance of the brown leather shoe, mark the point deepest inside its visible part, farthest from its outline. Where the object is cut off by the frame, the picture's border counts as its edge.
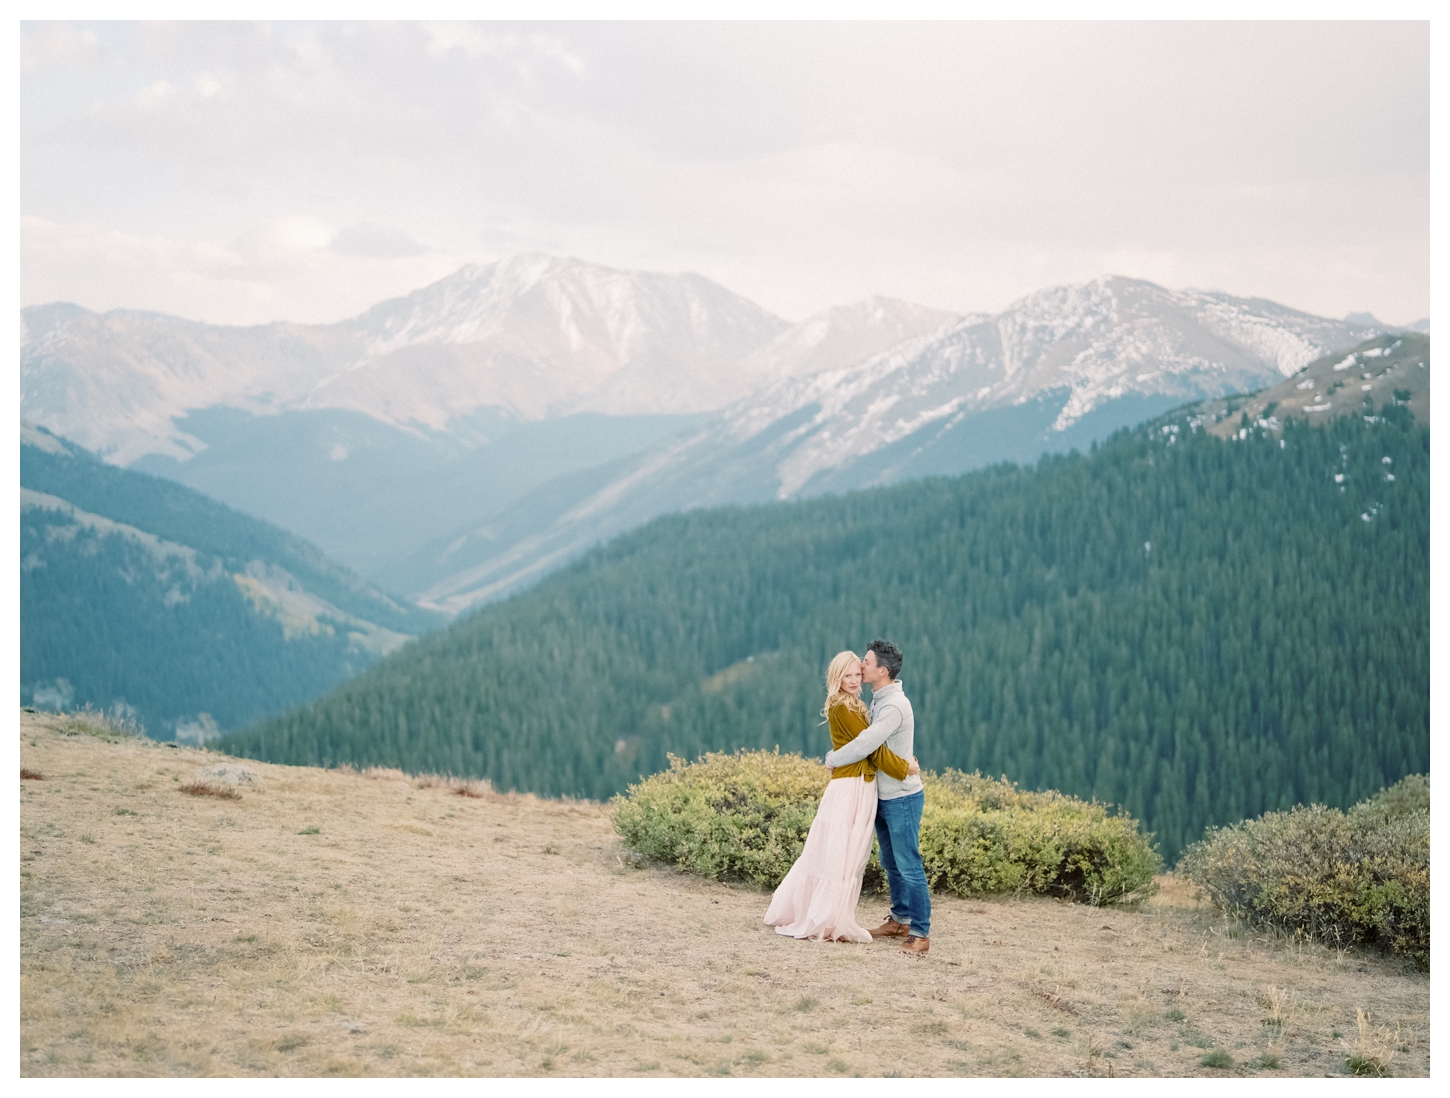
(890, 929)
(916, 945)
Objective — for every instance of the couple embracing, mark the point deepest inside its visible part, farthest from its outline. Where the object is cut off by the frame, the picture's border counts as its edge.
(875, 786)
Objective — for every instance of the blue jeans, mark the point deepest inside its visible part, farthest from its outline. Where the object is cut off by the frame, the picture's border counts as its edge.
(898, 824)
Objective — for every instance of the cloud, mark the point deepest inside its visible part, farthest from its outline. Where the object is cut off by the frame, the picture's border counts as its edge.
(154, 95)
(370, 241)
(277, 245)
(57, 45)
(280, 268)
(475, 41)
(799, 163)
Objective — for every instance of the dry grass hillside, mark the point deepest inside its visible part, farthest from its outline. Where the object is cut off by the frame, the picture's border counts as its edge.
(335, 923)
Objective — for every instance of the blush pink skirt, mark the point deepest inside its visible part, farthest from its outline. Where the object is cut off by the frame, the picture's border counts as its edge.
(818, 897)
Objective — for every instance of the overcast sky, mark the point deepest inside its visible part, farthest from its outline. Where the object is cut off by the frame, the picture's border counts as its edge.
(247, 172)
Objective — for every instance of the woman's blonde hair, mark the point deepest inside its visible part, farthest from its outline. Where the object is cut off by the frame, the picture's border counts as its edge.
(841, 663)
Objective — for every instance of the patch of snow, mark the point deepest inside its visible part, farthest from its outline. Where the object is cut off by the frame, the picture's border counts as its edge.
(30, 435)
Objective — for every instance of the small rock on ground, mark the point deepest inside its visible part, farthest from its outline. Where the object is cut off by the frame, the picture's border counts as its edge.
(231, 774)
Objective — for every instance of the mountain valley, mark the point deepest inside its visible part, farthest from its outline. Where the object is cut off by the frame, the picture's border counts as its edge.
(148, 600)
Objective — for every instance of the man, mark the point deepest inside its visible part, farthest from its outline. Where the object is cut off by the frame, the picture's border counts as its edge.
(898, 803)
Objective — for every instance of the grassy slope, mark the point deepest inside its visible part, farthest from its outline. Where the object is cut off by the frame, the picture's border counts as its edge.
(418, 932)
(182, 515)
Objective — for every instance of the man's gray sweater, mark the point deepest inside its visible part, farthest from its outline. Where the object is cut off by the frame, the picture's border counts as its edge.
(892, 723)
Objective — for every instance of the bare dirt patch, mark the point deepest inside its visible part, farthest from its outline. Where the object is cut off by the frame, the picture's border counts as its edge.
(337, 923)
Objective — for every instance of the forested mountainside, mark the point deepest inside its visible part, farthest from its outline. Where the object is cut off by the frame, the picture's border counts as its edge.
(1195, 628)
(140, 595)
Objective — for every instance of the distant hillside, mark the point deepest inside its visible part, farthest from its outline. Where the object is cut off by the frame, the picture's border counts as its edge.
(1197, 630)
(141, 595)
(1354, 381)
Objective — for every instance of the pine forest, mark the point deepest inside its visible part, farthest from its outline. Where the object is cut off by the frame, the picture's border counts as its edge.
(1195, 629)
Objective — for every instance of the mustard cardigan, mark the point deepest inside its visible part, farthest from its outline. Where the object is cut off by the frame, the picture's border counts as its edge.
(846, 725)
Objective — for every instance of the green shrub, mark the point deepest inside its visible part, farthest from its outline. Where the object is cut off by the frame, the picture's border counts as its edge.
(731, 817)
(745, 816)
(984, 835)
(1356, 877)
(1409, 794)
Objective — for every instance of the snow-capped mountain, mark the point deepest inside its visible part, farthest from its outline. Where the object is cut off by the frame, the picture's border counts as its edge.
(448, 383)
(1056, 369)
(1089, 345)
(533, 336)
(115, 382)
(840, 336)
(375, 436)
(539, 336)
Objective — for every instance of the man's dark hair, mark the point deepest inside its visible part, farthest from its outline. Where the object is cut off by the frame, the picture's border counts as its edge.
(887, 656)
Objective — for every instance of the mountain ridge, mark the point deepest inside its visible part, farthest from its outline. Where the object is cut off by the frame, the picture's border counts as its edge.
(874, 392)
(1059, 368)
(552, 336)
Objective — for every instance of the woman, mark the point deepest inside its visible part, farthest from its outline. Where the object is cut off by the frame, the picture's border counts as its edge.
(817, 899)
